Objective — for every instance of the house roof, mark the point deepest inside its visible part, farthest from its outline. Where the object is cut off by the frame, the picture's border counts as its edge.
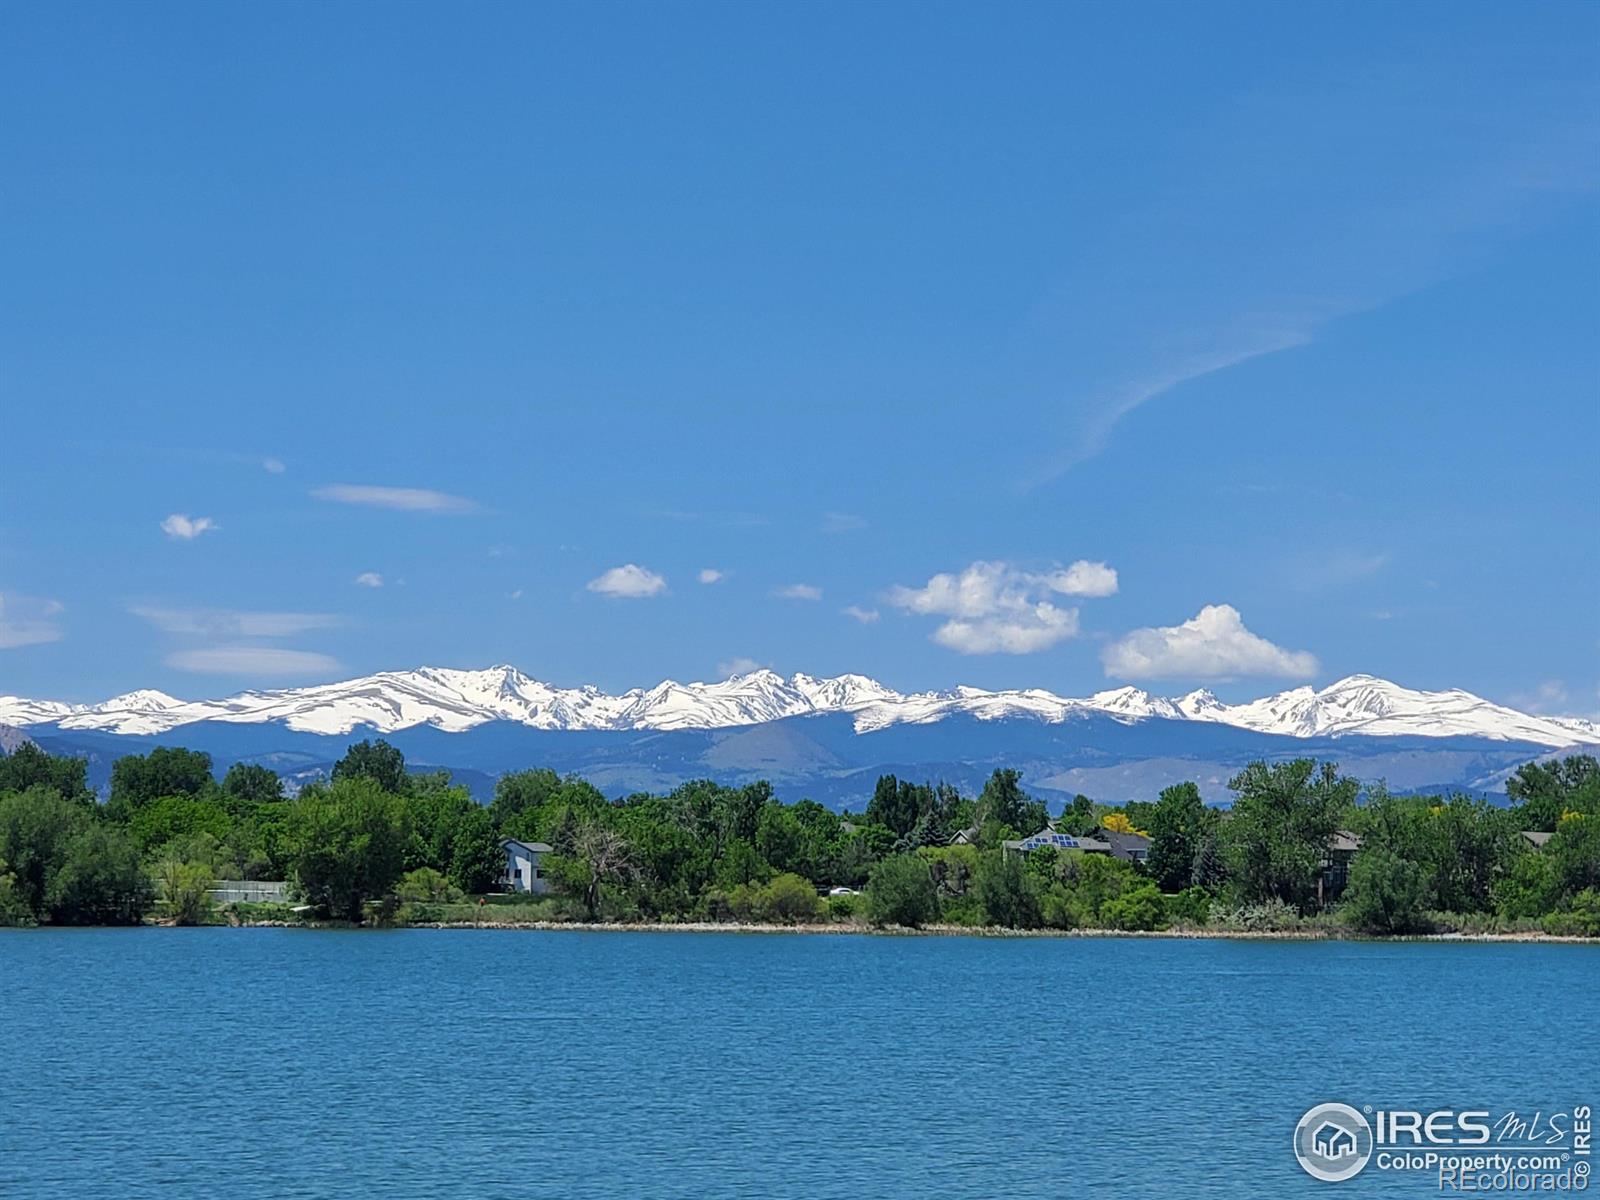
(1343, 839)
(1536, 837)
(1059, 841)
(534, 847)
(1124, 841)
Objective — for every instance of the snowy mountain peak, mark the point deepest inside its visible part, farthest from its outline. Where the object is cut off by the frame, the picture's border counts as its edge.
(453, 700)
(143, 700)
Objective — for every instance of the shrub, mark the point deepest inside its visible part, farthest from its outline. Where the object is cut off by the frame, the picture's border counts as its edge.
(791, 899)
(185, 891)
(1136, 908)
(845, 908)
(1192, 906)
(900, 891)
(427, 886)
(1273, 916)
(1582, 919)
(12, 910)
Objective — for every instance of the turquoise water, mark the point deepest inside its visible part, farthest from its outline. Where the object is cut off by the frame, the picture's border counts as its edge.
(289, 1063)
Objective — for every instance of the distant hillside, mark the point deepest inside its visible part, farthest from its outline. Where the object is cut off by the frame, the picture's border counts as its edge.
(825, 758)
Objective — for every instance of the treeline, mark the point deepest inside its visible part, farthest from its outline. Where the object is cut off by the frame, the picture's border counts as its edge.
(377, 842)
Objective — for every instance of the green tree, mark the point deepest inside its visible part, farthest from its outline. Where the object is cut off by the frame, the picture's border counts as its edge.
(28, 766)
(138, 779)
(1006, 891)
(605, 859)
(1003, 802)
(36, 830)
(1078, 817)
(251, 784)
(1277, 837)
(893, 805)
(184, 891)
(168, 818)
(101, 880)
(1179, 825)
(377, 761)
(520, 792)
(12, 910)
(900, 891)
(1543, 791)
(347, 844)
(1387, 894)
(477, 858)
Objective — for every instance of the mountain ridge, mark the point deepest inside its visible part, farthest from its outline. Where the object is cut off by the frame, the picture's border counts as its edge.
(454, 700)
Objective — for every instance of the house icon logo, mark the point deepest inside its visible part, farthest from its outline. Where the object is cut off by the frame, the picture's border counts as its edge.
(1332, 1142)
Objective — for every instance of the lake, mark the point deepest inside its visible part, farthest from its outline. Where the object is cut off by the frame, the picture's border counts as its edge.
(296, 1063)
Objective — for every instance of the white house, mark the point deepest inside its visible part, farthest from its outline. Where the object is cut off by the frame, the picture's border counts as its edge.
(522, 872)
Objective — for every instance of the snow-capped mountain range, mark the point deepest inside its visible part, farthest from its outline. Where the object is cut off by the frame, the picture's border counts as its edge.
(456, 700)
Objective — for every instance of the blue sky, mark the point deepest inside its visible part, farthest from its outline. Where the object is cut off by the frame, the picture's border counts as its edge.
(914, 322)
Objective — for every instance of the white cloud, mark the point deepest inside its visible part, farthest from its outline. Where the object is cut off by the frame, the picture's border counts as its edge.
(738, 666)
(514, 595)
(25, 621)
(403, 499)
(186, 528)
(1213, 645)
(1021, 632)
(842, 522)
(986, 588)
(798, 591)
(711, 575)
(629, 581)
(865, 615)
(226, 623)
(1084, 578)
(997, 608)
(273, 466)
(251, 660)
(370, 579)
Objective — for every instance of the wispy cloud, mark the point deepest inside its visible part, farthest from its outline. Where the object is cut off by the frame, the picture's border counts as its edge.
(370, 579)
(251, 661)
(628, 582)
(1332, 569)
(727, 520)
(401, 499)
(842, 522)
(232, 623)
(797, 591)
(711, 575)
(738, 666)
(1212, 645)
(1333, 194)
(28, 621)
(185, 528)
(855, 612)
(273, 466)
(1107, 411)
